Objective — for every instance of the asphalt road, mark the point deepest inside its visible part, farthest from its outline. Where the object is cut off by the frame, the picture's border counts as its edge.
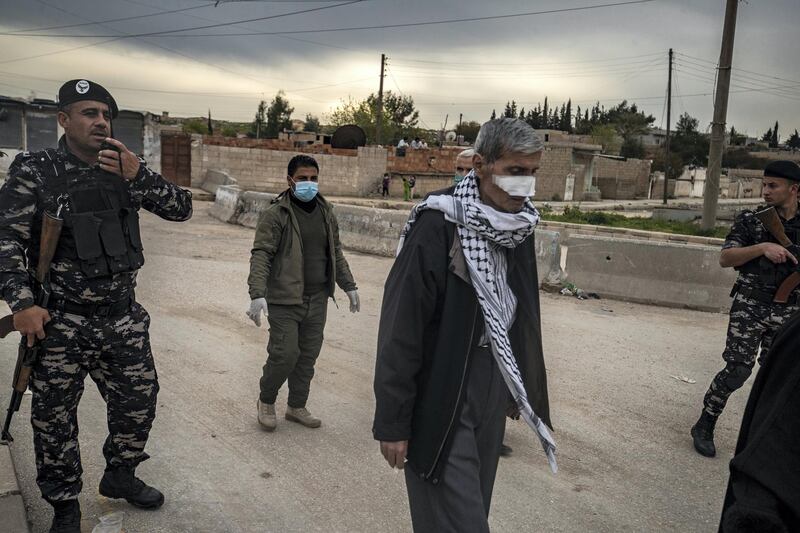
(621, 418)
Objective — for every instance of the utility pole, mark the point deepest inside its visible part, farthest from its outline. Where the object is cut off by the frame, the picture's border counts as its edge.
(380, 101)
(669, 120)
(711, 190)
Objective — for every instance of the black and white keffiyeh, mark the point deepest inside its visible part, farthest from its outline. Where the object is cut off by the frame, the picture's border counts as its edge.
(484, 232)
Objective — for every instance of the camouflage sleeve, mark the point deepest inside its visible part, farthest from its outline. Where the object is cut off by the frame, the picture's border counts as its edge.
(742, 232)
(161, 197)
(17, 209)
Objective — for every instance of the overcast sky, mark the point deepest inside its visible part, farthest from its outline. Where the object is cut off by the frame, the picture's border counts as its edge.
(607, 54)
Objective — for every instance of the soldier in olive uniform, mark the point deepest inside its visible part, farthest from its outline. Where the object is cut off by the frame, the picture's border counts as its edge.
(92, 323)
(762, 264)
(295, 264)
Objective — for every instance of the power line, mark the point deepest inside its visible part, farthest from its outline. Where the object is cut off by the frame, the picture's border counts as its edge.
(123, 19)
(170, 33)
(206, 27)
(472, 64)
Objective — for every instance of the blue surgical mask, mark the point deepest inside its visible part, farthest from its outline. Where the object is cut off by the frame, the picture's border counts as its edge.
(305, 191)
(458, 177)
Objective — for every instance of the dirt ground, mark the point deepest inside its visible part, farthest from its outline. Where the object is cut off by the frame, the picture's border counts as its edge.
(621, 417)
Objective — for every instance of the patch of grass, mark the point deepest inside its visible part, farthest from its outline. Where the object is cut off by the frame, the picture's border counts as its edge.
(574, 215)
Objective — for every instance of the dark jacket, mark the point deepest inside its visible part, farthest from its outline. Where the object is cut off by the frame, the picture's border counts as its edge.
(276, 261)
(430, 324)
(764, 487)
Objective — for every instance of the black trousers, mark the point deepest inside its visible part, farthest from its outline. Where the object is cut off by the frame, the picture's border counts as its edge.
(460, 501)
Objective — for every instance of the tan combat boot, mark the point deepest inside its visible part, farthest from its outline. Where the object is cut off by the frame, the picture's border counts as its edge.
(266, 416)
(302, 416)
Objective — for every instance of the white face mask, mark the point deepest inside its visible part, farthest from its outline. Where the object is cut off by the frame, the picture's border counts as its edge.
(522, 186)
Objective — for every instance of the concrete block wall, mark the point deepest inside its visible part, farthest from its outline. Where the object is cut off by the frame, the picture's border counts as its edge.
(551, 178)
(264, 170)
(622, 180)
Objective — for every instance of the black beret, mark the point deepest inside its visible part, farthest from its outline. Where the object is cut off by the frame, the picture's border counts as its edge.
(783, 169)
(81, 90)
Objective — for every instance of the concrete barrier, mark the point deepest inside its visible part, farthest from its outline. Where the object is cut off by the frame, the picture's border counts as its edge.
(226, 204)
(367, 229)
(548, 257)
(215, 179)
(660, 273)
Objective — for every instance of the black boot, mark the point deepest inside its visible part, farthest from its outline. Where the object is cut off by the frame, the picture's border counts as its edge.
(67, 518)
(703, 435)
(121, 483)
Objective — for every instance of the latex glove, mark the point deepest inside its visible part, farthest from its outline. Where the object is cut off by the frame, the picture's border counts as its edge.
(257, 306)
(355, 302)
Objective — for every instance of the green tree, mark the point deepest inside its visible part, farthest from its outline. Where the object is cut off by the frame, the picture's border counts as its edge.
(279, 115)
(688, 143)
(774, 142)
(767, 136)
(312, 123)
(735, 137)
(400, 118)
(606, 136)
(195, 126)
(228, 131)
(793, 141)
(469, 130)
(632, 148)
(257, 130)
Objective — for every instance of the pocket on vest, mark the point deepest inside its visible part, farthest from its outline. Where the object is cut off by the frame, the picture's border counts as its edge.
(89, 247)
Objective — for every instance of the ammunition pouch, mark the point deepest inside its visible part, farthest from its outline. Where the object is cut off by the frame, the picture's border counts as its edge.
(101, 229)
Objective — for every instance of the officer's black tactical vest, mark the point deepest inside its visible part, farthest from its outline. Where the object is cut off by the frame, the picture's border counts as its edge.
(772, 274)
(101, 224)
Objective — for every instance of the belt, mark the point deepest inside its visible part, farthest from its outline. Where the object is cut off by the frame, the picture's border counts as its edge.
(762, 296)
(113, 309)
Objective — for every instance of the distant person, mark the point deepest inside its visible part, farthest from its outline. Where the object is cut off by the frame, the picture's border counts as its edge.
(412, 182)
(459, 341)
(463, 164)
(415, 144)
(387, 178)
(763, 265)
(423, 145)
(295, 265)
(402, 146)
(764, 485)
(406, 189)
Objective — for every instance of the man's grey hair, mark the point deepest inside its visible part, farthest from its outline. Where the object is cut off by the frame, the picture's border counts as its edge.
(501, 136)
(469, 152)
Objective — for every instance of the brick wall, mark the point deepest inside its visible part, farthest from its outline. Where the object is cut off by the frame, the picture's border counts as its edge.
(419, 161)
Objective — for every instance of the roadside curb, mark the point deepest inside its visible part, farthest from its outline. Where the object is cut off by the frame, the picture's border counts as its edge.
(12, 507)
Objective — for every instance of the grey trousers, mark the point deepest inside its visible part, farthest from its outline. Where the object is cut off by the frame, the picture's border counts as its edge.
(460, 501)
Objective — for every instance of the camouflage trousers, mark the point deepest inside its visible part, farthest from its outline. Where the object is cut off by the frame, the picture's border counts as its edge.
(752, 324)
(115, 352)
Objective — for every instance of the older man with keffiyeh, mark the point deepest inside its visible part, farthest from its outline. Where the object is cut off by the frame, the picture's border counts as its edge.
(459, 345)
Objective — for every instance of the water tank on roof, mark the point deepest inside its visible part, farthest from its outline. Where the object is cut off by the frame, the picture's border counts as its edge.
(350, 137)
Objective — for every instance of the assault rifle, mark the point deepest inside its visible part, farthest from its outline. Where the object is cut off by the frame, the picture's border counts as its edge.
(51, 231)
(770, 219)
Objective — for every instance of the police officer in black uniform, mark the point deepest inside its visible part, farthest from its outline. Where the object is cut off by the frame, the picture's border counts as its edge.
(762, 264)
(92, 323)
